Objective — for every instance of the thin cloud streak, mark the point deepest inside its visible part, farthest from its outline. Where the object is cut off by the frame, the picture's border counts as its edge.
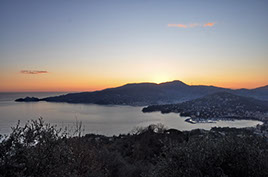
(33, 72)
(210, 24)
(177, 25)
(192, 25)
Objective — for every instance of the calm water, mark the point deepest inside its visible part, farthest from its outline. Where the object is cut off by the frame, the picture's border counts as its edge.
(107, 120)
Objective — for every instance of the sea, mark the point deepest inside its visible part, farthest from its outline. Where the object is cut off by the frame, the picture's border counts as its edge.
(106, 120)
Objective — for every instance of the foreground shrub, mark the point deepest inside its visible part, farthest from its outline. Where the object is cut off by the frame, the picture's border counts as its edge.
(228, 155)
(40, 149)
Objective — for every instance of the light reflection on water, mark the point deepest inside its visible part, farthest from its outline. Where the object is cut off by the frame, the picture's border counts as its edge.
(107, 120)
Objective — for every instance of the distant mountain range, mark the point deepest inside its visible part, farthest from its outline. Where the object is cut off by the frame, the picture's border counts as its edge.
(141, 94)
(217, 105)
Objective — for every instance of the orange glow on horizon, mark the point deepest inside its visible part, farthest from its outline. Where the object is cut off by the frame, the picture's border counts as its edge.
(59, 81)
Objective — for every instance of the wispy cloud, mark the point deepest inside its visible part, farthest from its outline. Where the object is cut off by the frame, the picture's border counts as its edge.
(177, 25)
(192, 25)
(209, 24)
(33, 72)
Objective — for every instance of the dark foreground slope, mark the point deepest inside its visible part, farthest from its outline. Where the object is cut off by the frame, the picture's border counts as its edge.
(147, 94)
(217, 105)
(40, 150)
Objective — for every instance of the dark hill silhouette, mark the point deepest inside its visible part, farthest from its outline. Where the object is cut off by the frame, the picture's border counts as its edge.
(262, 88)
(150, 93)
(258, 93)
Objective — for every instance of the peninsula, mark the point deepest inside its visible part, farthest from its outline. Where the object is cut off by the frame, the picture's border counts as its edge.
(143, 94)
(220, 105)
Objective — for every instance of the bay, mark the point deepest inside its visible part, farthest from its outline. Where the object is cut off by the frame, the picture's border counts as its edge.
(106, 120)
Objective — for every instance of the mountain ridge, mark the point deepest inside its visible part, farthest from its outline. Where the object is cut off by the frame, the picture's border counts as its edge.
(146, 93)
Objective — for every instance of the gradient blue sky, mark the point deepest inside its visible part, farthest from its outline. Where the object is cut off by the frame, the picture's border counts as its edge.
(89, 45)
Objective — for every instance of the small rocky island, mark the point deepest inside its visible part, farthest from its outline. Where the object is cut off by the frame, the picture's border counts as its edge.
(217, 106)
(28, 99)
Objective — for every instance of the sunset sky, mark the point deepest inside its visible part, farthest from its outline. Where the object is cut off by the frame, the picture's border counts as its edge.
(85, 45)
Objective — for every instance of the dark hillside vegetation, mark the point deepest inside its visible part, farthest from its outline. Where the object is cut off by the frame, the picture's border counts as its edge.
(217, 105)
(39, 149)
